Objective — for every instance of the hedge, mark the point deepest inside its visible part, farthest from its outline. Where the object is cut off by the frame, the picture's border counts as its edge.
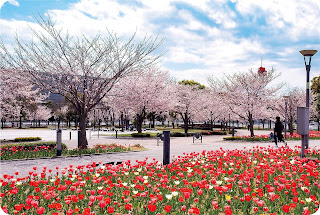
(26, 139)
(34, 145)
(140, 135)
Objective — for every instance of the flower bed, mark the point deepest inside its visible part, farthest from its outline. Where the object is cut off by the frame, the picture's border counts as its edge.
(258, 180)
(48, 149)
(295, 136)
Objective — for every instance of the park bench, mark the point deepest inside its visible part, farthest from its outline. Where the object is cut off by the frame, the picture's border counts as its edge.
(159, 138)
(197, 136)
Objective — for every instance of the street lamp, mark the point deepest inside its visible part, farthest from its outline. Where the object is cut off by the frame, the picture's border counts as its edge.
(285, 117)
(307, 53)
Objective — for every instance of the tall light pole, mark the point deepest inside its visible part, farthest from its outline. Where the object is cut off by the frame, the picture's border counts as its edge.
(307, 53)
(285, 116)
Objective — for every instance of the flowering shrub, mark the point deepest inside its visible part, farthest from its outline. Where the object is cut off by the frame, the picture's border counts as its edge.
(294, 136)
(49, 150)
(26, 139)
(250, 181)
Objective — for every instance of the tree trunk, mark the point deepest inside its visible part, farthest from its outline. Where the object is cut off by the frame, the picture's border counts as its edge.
(83, 135)
(172, 124)
(20, 122)
(290, 124)
(122, 122)
(186, 125)
(251, 124)
(139, 121)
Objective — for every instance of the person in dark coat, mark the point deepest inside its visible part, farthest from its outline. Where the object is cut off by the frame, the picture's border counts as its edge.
(278, 127)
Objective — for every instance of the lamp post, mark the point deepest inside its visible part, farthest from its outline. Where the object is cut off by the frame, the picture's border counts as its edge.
(307, 53)
(285, 116)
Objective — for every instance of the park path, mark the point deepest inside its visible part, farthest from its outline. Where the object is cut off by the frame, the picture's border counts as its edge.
(178, 146)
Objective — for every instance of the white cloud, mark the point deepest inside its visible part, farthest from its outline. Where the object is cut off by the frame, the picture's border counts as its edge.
(13, 2)
(295, 18)
(217, 43)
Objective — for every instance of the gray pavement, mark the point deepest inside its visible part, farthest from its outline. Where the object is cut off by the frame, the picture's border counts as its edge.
(179, 145)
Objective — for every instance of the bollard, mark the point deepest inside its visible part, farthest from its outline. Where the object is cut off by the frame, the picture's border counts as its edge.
(79, 138)
(303, 127)
(116, 133)
(70, 136)
(166, 147)
(59, 142)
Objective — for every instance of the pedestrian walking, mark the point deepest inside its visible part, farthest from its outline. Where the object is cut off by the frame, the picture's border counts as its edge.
(278, 128)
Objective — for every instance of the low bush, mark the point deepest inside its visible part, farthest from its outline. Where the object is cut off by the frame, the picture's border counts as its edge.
(27, 146)
(233, 138)
(214, 133)
(179, 134)
(140, 135)
(26, 139)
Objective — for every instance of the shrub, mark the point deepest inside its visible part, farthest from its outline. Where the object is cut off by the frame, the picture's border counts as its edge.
(140, 135)
(34, 145)
(214, 133)
(178, 134)
(26, 139)
(232, 138)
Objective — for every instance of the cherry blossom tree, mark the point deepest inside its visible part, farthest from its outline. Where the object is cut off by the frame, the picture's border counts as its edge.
(17, 95)
(246, 94)
(82, 69)
(41, 112)
(187, 102)
(139, 95)
(296, 98)
(211, 107)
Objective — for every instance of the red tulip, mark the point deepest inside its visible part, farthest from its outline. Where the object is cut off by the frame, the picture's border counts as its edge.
(102, 204)
(152, 208)
(110, 210)
(41, 210)
(183, 208)
(286, 208)
(167, 208)
(128, 206)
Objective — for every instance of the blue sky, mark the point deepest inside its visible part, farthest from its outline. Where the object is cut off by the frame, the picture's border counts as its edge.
(202, 38)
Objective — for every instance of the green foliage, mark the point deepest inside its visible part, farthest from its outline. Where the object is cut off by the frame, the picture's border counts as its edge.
(214, 132)
(250, 139)
(192, 83)
(26, 139)
(140, 135)
(34, 145)
(315, 85)
(233, 138)
(180, 134)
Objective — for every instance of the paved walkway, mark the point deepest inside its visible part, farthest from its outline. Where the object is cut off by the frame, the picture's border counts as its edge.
(179, 145)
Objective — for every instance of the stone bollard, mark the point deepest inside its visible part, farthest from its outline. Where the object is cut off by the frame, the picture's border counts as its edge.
(59, 150)
(166, 147)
